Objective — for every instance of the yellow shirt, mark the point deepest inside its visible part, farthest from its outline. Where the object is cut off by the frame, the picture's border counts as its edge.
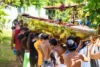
(36, 45)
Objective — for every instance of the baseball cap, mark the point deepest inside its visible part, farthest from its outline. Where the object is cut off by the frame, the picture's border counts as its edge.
(71, 43)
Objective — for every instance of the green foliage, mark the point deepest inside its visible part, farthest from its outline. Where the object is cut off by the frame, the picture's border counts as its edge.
(2, 19)
(93, 8)
(16, 3)
(2, 14)
(78, 1)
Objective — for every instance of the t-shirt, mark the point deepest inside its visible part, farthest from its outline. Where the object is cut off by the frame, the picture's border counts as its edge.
(36, 45)
(84, 64)
(87, 23)
(17, 43)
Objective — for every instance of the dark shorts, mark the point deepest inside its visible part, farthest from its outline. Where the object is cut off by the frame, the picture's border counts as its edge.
(34, 65)
(18, 53)
(22, 53)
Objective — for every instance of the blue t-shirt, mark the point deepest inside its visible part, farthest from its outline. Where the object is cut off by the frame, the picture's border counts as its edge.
(87, 23)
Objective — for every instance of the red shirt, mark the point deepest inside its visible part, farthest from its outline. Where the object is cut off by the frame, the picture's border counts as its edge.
(17, 43)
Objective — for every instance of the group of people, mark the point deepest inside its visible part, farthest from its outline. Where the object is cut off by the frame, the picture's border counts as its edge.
(87, 22)
(47, 51)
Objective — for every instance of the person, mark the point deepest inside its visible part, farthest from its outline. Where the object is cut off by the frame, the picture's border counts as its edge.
(25, 40)
(32, 49)
(60, 22)
(13, 29)
(36, 45)
(45, 49)
(12, 41)
(26, 26)
(74, 58)
(21, 23)
(20, 38)
(26, 62)
(71, 21)
(83, 50)
(56, 53)
(96, 49)
(87, 22)
(92, 54)
(17, 43)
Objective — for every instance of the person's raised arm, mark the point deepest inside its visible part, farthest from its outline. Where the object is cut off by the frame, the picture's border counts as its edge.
(87, 57)
(12, 39)
(79, 46)
(92, 54)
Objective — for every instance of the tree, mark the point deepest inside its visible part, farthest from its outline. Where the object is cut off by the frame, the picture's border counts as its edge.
(2, 19)
(93, 9)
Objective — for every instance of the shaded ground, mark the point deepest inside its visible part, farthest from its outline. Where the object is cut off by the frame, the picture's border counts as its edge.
(7, 58)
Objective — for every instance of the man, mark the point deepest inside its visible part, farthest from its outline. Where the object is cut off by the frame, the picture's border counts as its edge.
(21, 37)
(13, 31)
(16, 41)
(92, 54)
(74, 58)
(87, 22)
(96, 49)
(56, 53)
(45, 49)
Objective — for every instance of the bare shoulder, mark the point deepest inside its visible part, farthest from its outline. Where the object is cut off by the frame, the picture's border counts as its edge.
(53, 51)
(43, 45)
(65, 55)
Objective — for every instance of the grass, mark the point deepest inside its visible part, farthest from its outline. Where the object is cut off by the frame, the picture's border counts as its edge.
(7, 58)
